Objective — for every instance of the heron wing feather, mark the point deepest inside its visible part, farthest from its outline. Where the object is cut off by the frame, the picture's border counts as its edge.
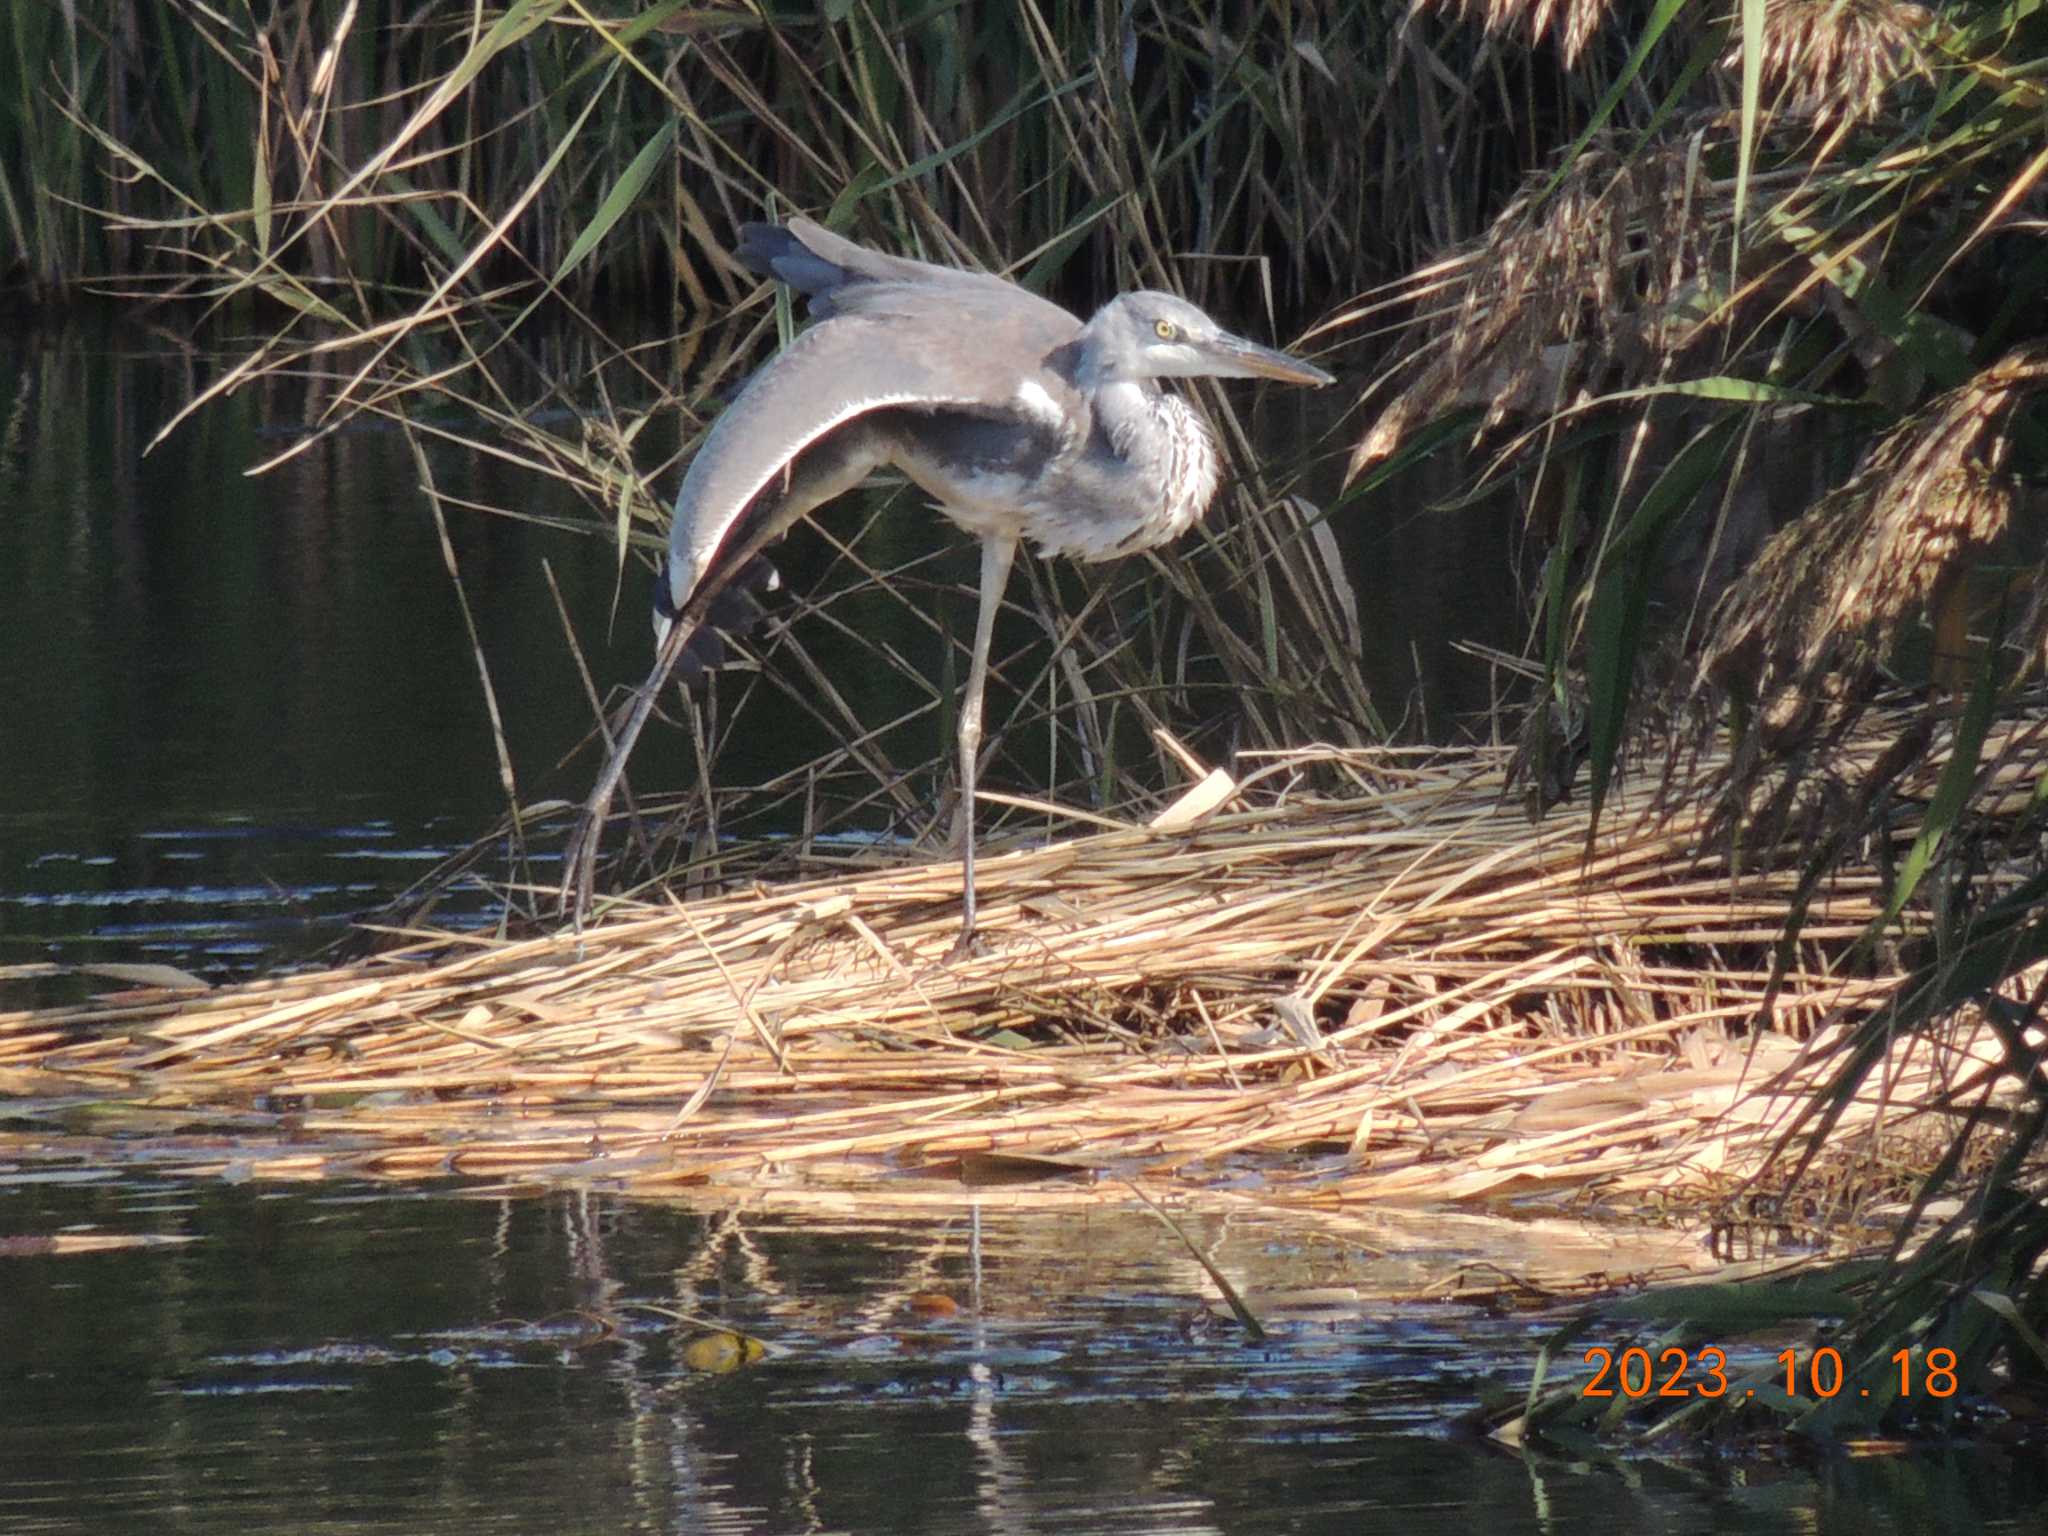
(842, 278)
(972, 353)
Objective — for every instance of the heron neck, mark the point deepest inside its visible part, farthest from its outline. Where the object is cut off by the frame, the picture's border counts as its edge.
(1126, 411)
(1166, 457)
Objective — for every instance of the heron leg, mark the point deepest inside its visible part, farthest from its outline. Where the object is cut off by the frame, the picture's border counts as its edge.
(837, 463)
(997, 551)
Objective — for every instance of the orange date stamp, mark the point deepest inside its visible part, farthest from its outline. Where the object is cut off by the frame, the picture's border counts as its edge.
(1703, 1372)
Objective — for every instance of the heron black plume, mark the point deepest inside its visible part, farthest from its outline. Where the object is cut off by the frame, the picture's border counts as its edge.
(772, 251)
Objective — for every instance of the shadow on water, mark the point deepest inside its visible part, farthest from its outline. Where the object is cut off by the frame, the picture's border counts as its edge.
(314, 1359)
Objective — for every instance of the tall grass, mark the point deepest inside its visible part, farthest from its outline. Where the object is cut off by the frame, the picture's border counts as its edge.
(1752, 350)
(1292, 151)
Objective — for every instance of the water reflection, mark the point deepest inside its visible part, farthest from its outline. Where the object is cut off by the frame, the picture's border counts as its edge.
(336, 1356)
(239, 711)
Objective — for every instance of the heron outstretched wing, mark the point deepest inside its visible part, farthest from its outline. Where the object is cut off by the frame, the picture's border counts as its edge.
(801, 431)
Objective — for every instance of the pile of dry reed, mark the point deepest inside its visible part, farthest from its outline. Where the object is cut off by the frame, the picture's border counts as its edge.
(1405, 978)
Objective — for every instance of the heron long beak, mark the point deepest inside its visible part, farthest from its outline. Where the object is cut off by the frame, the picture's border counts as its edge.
(1237, 358)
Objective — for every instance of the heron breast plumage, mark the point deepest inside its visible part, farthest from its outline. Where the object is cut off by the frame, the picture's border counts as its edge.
(1087, 480)
(1193, 468)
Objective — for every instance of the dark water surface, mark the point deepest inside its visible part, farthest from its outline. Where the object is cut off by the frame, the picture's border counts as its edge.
(340, 1359)
(235, 711)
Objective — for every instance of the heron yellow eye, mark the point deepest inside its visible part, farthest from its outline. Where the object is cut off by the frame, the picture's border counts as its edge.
(1165, 330)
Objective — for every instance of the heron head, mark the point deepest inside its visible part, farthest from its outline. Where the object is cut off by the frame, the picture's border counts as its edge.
(1149, 335)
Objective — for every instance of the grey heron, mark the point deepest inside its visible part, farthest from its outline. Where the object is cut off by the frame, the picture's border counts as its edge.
(1017, 418)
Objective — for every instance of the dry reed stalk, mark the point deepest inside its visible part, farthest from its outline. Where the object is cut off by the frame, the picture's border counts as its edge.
(1454, 1003)
(1586, 281)
(1839, 58)
(1571, 22)
(1816, 612)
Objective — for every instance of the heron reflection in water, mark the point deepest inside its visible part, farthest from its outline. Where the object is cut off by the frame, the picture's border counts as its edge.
(1018, 419)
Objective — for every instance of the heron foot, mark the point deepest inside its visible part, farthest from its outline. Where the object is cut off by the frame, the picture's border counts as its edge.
(967, 946)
